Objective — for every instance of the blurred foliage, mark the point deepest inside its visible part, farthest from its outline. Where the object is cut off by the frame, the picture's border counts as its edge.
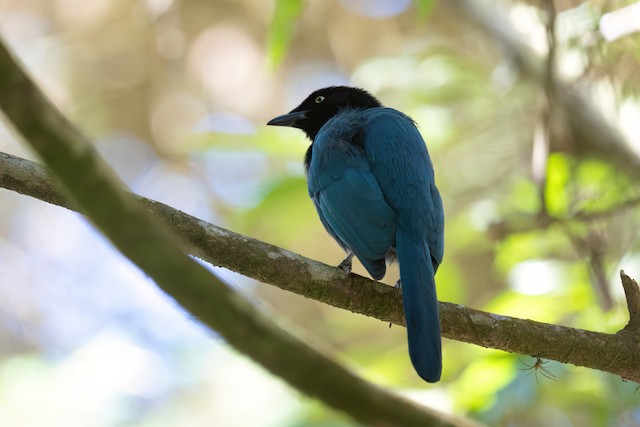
(176, 94)
(281, 28)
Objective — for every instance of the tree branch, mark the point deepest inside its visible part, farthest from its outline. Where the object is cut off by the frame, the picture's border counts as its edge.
(615, 353)
(151, 246)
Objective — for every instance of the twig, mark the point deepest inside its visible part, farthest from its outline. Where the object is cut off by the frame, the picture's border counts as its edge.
(551, 43)
(632, 293)
(498, 230)
(542, 134)
(630, 203)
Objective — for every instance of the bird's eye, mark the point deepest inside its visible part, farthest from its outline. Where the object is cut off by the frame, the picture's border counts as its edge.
(319, 99)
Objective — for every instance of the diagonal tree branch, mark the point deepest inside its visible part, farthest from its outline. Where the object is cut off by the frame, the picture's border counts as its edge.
(88, 180)
(615, 353)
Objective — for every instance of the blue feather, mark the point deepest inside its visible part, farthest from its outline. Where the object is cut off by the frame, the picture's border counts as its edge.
(377, 194)
(372, 182)
(420, 306)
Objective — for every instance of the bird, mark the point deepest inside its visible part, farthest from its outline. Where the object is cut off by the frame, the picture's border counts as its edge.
(372, 182)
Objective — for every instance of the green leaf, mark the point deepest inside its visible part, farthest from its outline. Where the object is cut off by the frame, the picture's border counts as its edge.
(281, 30)
(558, 177)
(494, 372)
(424, 8)
(283, 216)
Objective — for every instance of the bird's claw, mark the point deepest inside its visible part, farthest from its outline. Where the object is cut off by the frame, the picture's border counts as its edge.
(346, 263)
(398, 287)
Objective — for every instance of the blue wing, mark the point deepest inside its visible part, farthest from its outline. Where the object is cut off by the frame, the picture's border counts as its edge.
(348, 197)
(400, 161)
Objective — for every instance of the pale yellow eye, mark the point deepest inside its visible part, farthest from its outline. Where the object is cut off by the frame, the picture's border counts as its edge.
(319, 99)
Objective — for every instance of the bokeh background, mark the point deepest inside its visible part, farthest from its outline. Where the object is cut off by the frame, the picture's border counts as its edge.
(175, 95)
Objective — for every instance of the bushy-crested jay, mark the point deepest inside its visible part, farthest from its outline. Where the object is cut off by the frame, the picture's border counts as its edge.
(371, 179)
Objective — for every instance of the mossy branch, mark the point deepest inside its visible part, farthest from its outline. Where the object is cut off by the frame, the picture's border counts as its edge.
(615, 353)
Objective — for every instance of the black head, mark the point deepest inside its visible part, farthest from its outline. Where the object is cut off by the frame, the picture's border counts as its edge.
(322, 105)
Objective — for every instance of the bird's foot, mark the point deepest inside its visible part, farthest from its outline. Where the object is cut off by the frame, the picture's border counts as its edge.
(398, 287)
(346, 263)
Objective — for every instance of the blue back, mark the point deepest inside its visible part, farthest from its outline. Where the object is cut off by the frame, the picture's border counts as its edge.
(372, 182)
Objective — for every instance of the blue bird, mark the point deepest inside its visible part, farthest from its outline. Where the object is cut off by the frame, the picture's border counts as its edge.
(372, 182)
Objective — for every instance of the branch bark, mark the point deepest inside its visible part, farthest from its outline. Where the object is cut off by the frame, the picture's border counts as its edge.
(615, 353)
(89, 181)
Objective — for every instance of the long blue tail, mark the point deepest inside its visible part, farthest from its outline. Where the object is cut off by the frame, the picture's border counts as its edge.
(420, 305)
